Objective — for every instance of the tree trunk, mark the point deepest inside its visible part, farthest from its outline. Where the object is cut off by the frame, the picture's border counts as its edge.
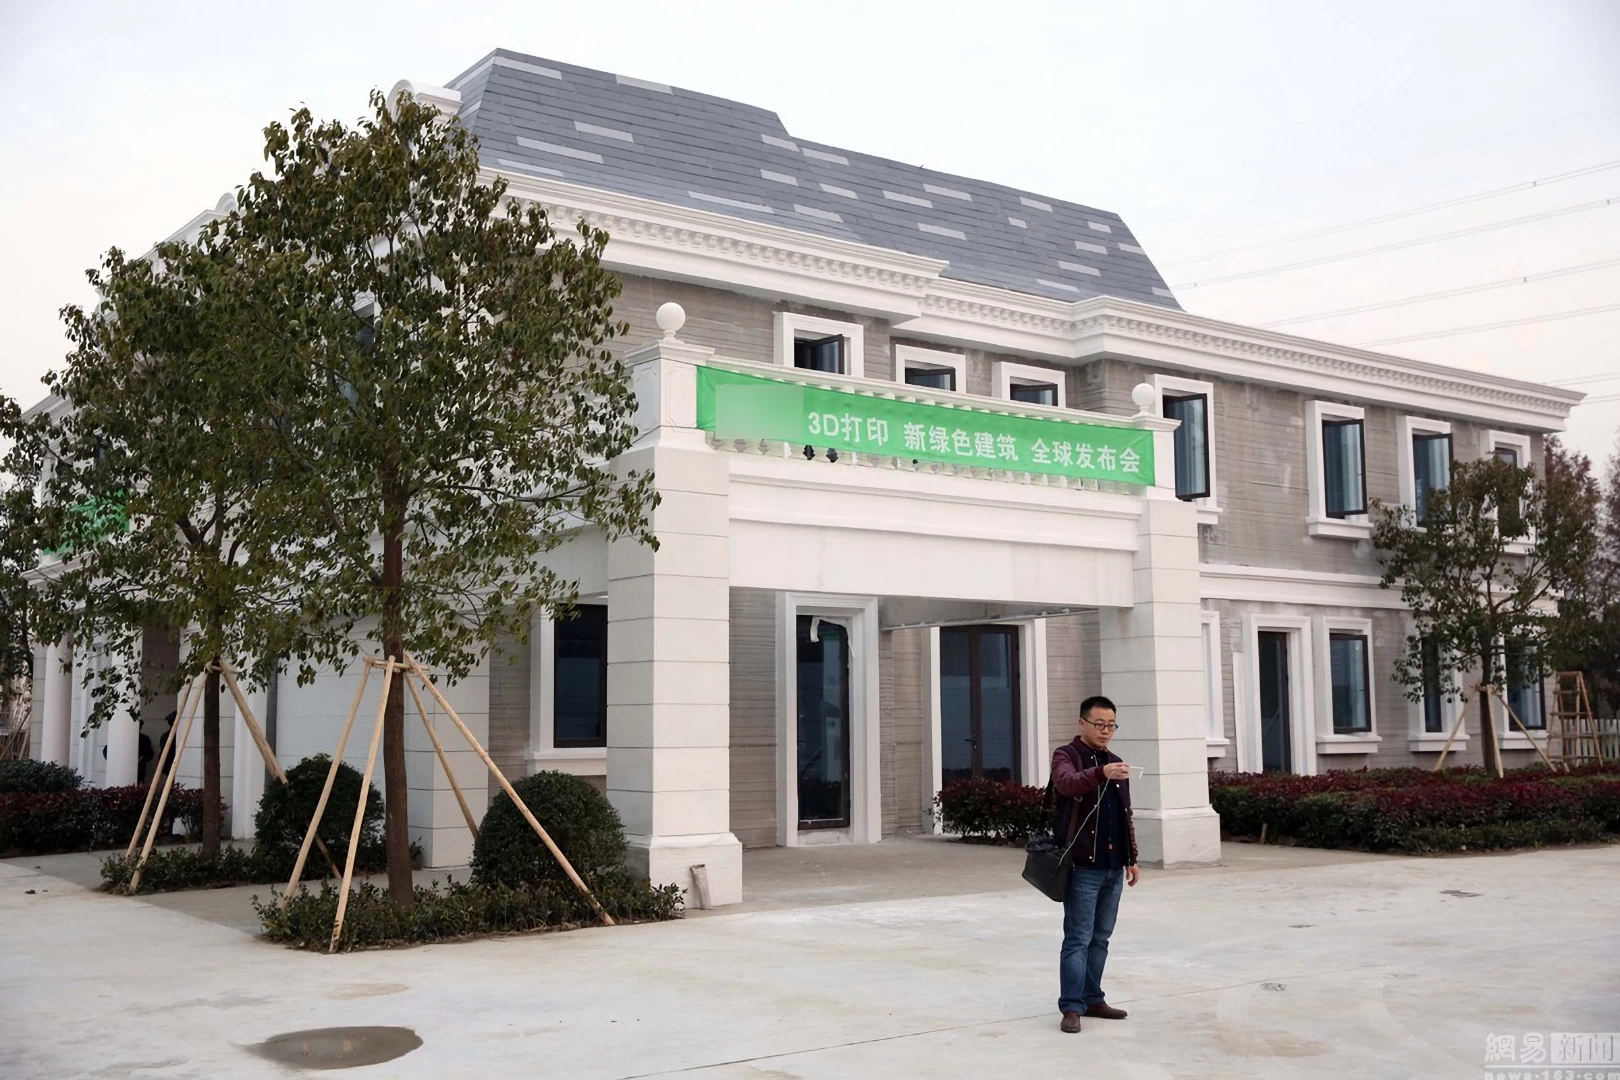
(1487, 735)
(211, 815)
(396, 786)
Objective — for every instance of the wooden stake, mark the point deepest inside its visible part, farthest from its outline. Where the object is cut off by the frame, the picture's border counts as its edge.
(158, 768)
(1462, 717)
(1515, 718)
(163, 799)
(466, 811)
(360, 808)
(545, 838)
(326, 791)
(265, 752)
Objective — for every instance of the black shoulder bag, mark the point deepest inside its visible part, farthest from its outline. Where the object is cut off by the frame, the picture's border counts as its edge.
(1046, 858)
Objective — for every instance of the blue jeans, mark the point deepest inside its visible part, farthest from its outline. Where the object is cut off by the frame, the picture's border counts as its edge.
(1089, 911)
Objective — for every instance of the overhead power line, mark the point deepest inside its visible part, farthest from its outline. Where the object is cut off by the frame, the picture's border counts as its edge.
(1584, 379)
(1481, 327)
(1544, 275)
(1398, 215)
(1601, 400)
(1401, 244)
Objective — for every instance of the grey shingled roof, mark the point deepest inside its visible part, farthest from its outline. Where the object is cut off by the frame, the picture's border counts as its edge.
(593, 128)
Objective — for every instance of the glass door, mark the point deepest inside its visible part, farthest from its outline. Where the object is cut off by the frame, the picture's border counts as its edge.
(823, 723)
(979, 703)
(1276, 735)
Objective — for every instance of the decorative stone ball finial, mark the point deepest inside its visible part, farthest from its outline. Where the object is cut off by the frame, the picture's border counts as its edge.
(1145, 397)
(671, 317)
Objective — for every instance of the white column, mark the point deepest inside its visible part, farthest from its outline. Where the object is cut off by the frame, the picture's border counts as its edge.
(58, 702)
(1152, 669)
(123, 732)
(669, 651)
(247, 766)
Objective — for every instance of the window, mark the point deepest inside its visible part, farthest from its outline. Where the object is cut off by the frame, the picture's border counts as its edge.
(1352, 704)
(1431, 469)
(1337, 459)
(1524, 689)
(814, 344)
(1193, 404)
(1434, 711)
(1344, 468)
(579, 683)
(1192, 444)
(1512, 449)
(930, 368)
(1029, 384)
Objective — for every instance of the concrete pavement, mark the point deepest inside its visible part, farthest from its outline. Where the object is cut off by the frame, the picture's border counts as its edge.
(915, 958)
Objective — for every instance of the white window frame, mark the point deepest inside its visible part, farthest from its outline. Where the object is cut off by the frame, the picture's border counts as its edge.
(1034, 721)
(1302, 698)
(1357, 526)
(915, 356)
(543, 752)
(791, 327)
(1209, 509)
(1004, 374)
(860, 614)
(1509, 737)
(1215, 740)
(1327, 740)
(1520, 442)
(1419, 741)
(1410, 427)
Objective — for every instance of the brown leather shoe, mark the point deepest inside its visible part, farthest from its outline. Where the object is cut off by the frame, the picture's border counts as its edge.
(1104, 1011)
(1071, 1023)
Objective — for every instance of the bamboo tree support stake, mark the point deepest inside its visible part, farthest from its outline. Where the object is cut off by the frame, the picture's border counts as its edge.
(159, 769)
(269, 755)
(326, 791)
(360, 808)
(1462, 716)
(163, 799)
(421, 673)
(1500, 693)
(438, 748)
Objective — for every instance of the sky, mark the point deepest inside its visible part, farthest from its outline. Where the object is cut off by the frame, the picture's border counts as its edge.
(1237, 138)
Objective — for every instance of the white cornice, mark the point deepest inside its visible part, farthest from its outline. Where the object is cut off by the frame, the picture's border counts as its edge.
(712, 249)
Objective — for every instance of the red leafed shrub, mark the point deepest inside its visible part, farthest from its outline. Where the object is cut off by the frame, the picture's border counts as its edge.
(990, 811)
(1419, 810)
(39, 823)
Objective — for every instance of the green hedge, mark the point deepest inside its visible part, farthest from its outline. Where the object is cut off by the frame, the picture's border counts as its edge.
(1420, 811)
(87, 819)
(173, 869)
(459, 910)
(990, 811)
(577, 817)
(34, 777)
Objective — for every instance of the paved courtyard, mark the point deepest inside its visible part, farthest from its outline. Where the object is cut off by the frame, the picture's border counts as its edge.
(915, 958)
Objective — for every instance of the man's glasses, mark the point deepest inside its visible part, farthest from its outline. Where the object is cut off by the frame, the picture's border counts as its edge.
(1100, 727)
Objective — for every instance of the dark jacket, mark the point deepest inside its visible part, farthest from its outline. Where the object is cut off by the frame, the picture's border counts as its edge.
(1077, 776)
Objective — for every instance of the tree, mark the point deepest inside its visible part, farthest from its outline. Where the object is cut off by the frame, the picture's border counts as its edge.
(1600, 660)
(156, 472)
(432, 359)
(1482, 574)
(20, 458)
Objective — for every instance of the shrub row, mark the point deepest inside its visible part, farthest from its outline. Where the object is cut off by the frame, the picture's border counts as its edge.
(1419, 811)
(188, 868)
(36, 776)
(990, 811)
(84, 819)
(459, 910)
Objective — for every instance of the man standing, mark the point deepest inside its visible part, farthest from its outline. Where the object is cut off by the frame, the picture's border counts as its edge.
(1094, 812)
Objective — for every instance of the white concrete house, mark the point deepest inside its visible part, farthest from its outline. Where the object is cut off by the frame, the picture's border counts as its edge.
(938, 459)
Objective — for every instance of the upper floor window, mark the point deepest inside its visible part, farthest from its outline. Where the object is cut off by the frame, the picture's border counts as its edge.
(931, 368)
(1192, 403)
(1513, 449)
(1431, 469)
(814, 344)
(1337, 459)
(1029, 384)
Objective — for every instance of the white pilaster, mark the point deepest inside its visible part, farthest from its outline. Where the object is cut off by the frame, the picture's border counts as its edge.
(123, 728)
(669, 652)
(1153, 671)
(247, 765)
(58, 702)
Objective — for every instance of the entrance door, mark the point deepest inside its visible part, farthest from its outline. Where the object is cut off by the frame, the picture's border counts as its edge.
(1276, 727)
(978, 703)
(823, 728)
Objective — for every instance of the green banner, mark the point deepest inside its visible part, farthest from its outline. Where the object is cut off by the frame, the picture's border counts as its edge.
(736, 406)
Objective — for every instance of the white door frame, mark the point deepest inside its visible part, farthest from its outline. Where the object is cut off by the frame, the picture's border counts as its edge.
(1034, 738)
(860, 614)
(1301, 688)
